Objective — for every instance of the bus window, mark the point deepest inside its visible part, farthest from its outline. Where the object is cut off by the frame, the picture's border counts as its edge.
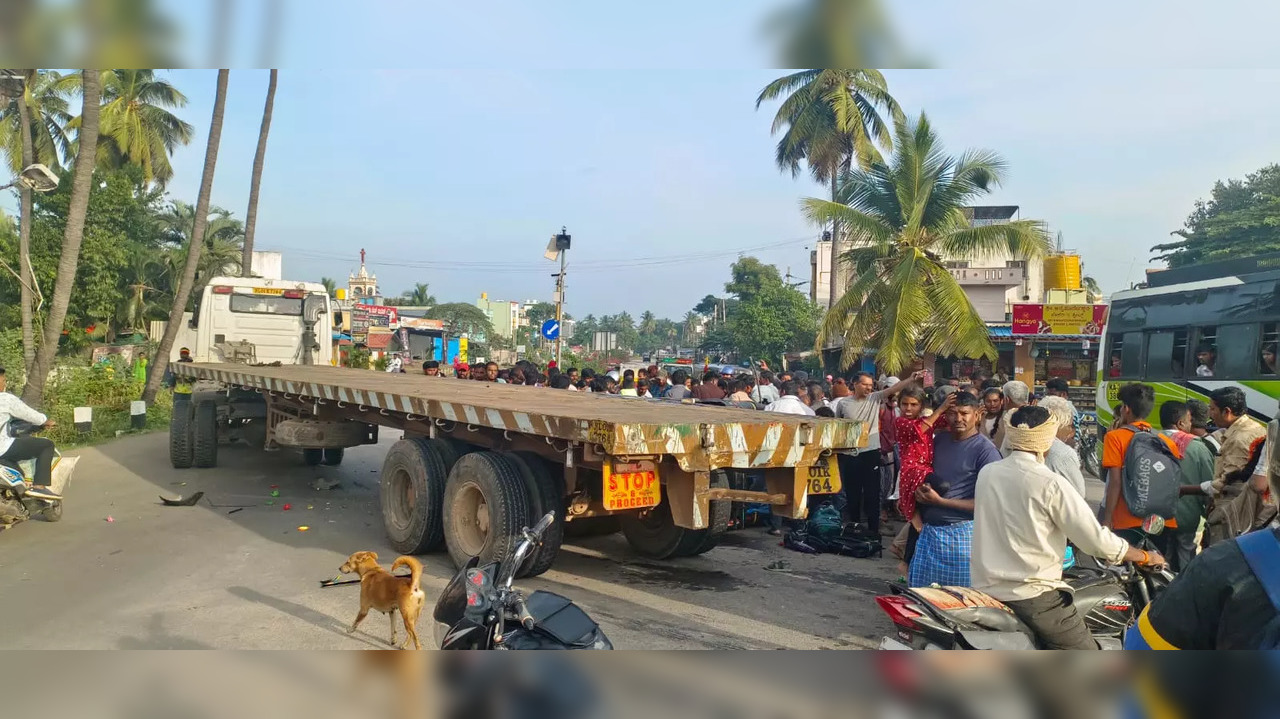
(1131, 355)
(1161, 361)
(1238, 351)
(1206, 359)
(1270, 337)
(1114, 351)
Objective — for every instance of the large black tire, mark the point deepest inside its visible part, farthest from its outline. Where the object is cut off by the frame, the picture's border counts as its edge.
(312, 456)
(701, 541)
(412, 497)
(181, 452)
(656, 535)
(333, 457)
(546, 494)
(205, 431)
(486, 504)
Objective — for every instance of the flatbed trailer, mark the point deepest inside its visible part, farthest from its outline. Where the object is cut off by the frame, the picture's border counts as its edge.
(480, 460)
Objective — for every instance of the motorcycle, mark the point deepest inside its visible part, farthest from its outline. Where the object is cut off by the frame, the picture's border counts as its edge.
(1087, 445)
(480, 610)
(1109, 598)
(15, 504)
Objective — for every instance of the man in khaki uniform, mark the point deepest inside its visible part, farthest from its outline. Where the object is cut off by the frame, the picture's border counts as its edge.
(1240, 431)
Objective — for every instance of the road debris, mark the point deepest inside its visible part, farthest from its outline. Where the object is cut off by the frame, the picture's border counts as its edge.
(110, 518)
(287, 507)
(303, 528)
(181, 501)
(237, 509)
(322, 484)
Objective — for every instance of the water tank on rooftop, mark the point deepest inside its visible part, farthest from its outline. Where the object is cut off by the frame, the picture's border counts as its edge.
(1062, 272)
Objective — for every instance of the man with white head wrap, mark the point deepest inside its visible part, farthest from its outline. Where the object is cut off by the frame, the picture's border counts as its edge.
(1024, 514)
(1016, 394)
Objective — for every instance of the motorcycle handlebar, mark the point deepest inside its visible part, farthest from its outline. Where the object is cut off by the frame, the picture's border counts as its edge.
(544, 523)
(526, 619)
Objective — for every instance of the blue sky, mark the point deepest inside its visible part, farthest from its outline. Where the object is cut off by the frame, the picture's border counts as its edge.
(456, 178)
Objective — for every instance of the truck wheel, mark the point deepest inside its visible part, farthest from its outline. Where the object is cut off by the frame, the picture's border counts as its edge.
(333, 457)
(312, 456)
(486, 505)
(656, 535)
(701, 541)
(180, 450)
(206, 434)
(546, 493)
(412, 497)
(446, 448)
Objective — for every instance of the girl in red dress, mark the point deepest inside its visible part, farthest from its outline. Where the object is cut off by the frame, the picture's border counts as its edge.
(915, 455)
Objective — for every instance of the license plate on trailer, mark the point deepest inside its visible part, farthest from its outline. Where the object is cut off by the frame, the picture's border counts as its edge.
(268, 291)
(631, 485)
(823, 477)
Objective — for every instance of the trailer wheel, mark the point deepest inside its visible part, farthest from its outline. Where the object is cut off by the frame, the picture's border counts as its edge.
(206, 434)
(656, 535)
(412, 493)
(701, 541)
(180, 450)
(546, 493)
(486, 505)
(333, 456)
(312, 456)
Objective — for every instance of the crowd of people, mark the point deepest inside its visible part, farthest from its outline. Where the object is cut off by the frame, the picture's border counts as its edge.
(987, 481)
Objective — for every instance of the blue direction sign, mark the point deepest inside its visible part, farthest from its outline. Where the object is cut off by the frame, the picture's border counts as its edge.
(551, 330)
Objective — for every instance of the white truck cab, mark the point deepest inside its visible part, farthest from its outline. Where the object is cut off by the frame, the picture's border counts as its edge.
(254, 320)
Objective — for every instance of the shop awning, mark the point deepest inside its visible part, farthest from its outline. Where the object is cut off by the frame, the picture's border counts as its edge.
(1005, 334)
(378, 340)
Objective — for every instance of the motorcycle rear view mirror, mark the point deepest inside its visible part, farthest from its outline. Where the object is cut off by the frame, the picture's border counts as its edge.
(453, 600)
(1153, 525)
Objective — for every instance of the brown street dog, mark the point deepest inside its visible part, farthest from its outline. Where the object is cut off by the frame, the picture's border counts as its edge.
(386, 592)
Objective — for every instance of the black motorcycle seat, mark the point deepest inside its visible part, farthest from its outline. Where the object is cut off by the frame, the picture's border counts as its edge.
(561, 619)
(991, 618)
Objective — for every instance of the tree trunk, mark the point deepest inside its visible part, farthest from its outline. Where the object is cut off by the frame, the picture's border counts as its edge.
(72, 237)
(24, 232)
(251, 216)
(835, 244)
(195, 244)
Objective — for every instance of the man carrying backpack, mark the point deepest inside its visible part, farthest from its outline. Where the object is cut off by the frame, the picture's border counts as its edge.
(1143, 471)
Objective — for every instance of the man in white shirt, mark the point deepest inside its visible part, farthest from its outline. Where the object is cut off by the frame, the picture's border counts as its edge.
(790, 402)
(764, 393)
(1024, 514)
(860, 468)
(16, 449)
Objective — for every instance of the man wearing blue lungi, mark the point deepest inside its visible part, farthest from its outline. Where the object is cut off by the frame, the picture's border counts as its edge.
(946, 498)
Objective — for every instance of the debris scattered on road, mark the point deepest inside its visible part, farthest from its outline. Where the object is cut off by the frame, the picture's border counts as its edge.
(337, 581)
(177, 484)
(110, 518)
(303, 528)
(309, 506)
(274, 486)
(322, 484)
(181, 501)
(287, 507)
(275, 493)
(270, 502)
(778, 565)
(237, 509)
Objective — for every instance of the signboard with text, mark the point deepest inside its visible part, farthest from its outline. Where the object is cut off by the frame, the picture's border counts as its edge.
(1059, 319)
(365, 316)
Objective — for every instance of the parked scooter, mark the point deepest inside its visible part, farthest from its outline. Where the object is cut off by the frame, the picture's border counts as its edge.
(1109, 598)
(481, 611)
(16, 505)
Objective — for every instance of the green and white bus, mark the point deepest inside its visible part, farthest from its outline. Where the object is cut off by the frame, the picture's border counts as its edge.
(1155, 334)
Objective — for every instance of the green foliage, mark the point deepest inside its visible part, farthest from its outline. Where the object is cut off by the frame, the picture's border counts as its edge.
(909, 213)
(48, 102)
(380, 363)
(419, 296)
(108, 388)
(460, 318)
(357, 357)
(1241, 219)
(11, 359)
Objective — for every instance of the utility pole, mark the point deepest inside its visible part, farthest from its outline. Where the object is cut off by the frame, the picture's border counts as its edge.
(561, 243)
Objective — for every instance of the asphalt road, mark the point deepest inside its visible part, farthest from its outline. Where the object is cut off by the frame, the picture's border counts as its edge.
(209, 576)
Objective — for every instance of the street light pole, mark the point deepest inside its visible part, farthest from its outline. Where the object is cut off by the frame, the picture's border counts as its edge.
(562, 247)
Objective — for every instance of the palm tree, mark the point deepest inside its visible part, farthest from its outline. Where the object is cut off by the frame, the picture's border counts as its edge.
(251, 215)
(910, 210)
(194, 245)
(221, 254)
(46, 96)
(831, 116)
(137, 128)
(72, 238)
(330, 287)
(692, 324)
(419, 296)
(1092, 290)
(648, 323)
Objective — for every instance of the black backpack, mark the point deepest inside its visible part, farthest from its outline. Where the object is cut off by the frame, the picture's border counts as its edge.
(1152, 475)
